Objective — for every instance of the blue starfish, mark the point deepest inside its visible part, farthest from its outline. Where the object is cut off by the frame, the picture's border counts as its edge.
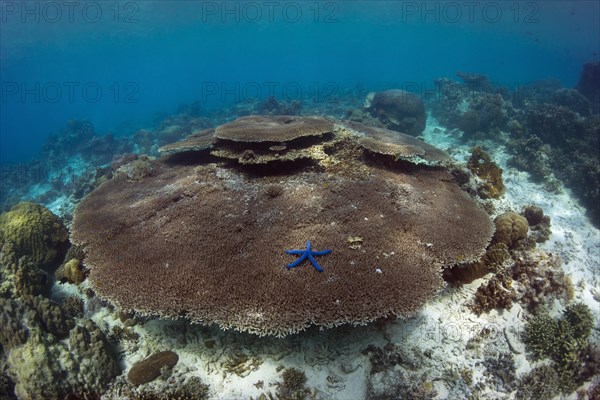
(308, 253)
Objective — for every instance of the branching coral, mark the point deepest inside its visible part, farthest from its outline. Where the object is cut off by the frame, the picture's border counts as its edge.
(293, 386)
(564, 341)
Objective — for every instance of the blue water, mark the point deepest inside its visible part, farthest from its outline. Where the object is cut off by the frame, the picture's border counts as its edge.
(118, 63)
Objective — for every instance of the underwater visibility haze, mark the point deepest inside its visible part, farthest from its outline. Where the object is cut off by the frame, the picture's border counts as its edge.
(299, 199)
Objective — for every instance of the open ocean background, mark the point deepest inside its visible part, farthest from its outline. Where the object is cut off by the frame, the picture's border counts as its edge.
(117, 64)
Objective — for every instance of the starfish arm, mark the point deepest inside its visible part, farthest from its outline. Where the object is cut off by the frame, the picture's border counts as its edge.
(295, 251)
(314, 262)
(320, 253)
(298, 261)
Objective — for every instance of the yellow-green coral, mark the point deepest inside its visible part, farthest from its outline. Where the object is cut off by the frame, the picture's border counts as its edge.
(71, 271)
(481, 164)
(34, 231)
(564, 341)
(510, 228)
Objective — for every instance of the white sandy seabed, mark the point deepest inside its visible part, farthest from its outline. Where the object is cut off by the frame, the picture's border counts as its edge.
(240, 366)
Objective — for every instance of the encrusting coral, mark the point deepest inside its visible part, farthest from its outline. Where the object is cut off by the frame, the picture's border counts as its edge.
(202, 239)
(35, 232)
(481, 164)
(19, 276)
(12, 333)
(497, 293)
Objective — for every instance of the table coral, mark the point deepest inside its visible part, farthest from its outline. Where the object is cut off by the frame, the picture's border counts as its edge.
(203, 238)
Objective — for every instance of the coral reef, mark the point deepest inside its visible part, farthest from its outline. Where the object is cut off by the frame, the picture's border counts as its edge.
(497, 293)
(539, 224)
(35, 369)
(12, 331)
(392, 377)
(78, 138)
(45, 369)
(473, 80)
(150, 368)
(180, 388)
(589, 84)
(153, 246)
(19, 276)
(29, 280)
(573, 100)
(293, 385)
(554, 124)
(501, 371)
(532, 155)
(481, 164)
(34, 232)
(73, 306)
(539, 279)
(485, 114)
(48, 316)
(399, 110)
(541, 383)
(94, 363)
(272, 106)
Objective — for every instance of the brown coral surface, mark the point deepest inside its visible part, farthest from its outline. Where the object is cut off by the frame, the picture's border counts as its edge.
(195, 142)
(205, 241)
(399, 145)
(278, 128)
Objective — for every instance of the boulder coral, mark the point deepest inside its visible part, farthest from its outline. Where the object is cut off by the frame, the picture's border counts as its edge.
(34, 232)
(201, 239)
(510, 228)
